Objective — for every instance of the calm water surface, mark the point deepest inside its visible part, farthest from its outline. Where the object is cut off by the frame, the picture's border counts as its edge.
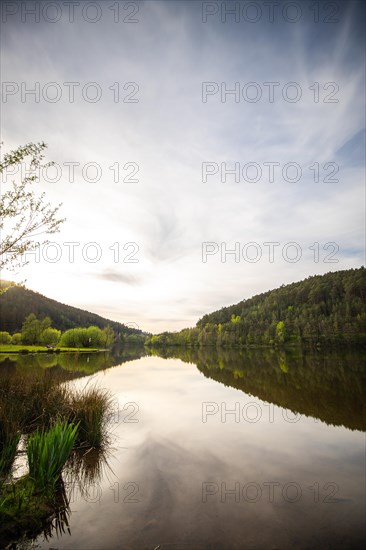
(226, 451)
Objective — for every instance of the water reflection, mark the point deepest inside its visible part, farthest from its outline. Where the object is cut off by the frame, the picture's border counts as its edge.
(175, 481)
(58, 523)
(327, 386)
(85, 469)
(76, 364)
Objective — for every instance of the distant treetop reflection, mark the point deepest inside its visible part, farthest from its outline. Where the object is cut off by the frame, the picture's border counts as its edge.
(327, 386)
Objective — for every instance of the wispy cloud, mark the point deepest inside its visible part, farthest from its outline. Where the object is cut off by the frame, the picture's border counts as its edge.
(170, 132)
(115, 277)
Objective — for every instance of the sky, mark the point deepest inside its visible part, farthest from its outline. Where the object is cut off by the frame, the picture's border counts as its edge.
(181, 131)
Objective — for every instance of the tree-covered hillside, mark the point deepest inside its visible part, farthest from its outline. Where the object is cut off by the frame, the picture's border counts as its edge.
(18, 302)
(323, 309)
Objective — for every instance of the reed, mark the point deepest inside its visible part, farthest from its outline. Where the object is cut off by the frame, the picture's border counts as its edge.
(8, 449)
(31, 399)
(90, 408)
(47, 453)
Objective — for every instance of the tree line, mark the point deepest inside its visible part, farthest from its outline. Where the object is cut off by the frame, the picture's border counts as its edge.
(320, 310)
(18, 302)
(40, 332)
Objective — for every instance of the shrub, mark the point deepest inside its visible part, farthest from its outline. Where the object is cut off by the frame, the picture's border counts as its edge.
(5, 337)
(92, 337)
(50, 336)
(16, 339)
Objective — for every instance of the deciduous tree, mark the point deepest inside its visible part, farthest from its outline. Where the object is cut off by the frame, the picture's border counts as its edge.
(24, 214)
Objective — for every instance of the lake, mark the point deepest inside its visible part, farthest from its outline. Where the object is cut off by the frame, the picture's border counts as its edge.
(220, 450)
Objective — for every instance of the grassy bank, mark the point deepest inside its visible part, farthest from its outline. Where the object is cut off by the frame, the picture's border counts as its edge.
(43, 349)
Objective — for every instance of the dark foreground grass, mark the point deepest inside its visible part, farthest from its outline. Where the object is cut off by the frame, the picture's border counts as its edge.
(31, 401)
(56, 419)
(8, 448)
(25, 513)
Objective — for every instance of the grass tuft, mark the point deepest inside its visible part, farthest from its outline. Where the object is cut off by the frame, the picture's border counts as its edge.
(47, 453)
(90, 408)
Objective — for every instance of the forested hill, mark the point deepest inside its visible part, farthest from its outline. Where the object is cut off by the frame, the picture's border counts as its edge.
(18, 302)
(326, 308)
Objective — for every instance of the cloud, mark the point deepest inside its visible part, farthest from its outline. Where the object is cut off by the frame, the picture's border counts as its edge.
(170, 132)
(115, 277)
